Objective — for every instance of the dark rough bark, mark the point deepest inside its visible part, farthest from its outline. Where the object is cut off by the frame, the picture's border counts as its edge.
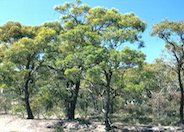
(26, 90)
(108, 76)
(182, 97)
(72, 101)
(112, 106)
(27, 102)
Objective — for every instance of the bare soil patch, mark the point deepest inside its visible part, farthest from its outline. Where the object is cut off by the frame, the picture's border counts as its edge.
(9, 123)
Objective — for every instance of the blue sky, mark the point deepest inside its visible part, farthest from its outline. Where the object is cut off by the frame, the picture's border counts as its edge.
(33, 12)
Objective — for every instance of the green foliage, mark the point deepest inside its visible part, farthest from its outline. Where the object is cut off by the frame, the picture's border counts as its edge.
(85, 48)
(22, 57)
(172, 33)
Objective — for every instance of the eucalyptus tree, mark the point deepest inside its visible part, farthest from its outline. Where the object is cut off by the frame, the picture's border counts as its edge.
(85, 27)
(114, 29)
(22, 50)
(77, 38)
(172, 33)
(107, 72)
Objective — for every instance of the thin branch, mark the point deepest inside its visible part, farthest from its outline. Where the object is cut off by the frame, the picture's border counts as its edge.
(173, 51)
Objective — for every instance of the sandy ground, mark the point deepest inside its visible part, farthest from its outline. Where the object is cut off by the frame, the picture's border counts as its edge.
(10, 123)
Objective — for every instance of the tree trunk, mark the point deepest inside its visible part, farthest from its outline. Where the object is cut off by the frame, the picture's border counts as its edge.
(107, 103)
(72, 101)
(5, 109)
(112, 105)
(27, 103)
(182, 97)
(108, 76)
